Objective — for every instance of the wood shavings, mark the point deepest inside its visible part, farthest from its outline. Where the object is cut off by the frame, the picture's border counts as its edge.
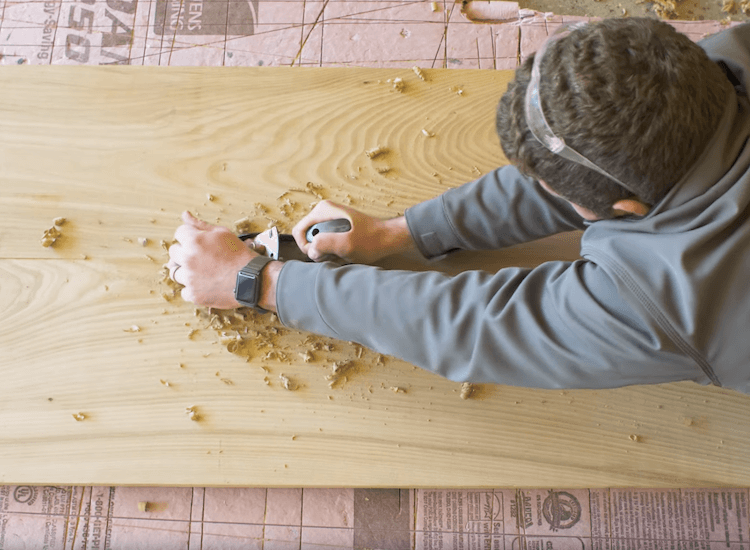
(79, 417)
(192, 412)
(376, 152)
(50, 236)
(398, 84)
(467, 390)
(287, 382)
(338, 372)
(397, 389)
(276, 355)
(143, 241)
(210, 197)
(427, 133)
(665, 9)
(729, 6)
(59, 222)
(244, 225)
(165, 383)
(383, 169)
(434, 6)
(227, 381)
(635, 438)
(419, 72)
(144, 506)
(745, 7)
(306, 356)
(314, 189)
(134, 328)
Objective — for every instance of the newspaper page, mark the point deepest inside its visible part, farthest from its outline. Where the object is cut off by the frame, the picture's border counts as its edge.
(597, 519)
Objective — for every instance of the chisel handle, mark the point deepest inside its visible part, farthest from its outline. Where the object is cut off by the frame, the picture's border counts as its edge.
(340, 225)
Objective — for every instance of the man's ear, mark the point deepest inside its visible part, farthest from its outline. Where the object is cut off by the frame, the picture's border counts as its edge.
(630, 206)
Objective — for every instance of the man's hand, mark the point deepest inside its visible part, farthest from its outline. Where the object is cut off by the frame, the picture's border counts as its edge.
(206, 260)
(369, 239)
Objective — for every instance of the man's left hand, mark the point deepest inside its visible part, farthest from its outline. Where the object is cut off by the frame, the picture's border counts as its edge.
(206, 260)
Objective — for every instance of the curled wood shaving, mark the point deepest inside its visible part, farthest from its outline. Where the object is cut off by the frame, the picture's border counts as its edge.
(419, 72)
(192, 412)
(375, 152)
(467, 390)
(80, 417)
(399, 85)
(50, 236)
(287, 382)
(59, 221)
(396, 389)
(244, 225)
(134, 328)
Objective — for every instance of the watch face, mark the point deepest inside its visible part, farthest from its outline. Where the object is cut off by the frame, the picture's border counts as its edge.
(247, 289)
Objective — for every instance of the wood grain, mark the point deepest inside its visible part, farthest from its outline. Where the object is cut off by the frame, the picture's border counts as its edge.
(120, 152)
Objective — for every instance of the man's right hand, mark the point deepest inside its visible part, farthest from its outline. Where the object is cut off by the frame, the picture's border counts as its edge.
(369, 239)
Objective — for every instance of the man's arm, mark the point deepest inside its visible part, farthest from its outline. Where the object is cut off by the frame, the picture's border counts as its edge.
(560, 325)
(500, 209)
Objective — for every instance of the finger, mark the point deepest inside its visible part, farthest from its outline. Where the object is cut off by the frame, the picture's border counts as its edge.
(177, 254)
(185, 234)
(173, 267)
(187, 295)
(323, 211)
(191, 220)
(325, 244)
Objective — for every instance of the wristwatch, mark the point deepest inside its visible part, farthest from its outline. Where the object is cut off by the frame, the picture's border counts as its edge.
(247, 289)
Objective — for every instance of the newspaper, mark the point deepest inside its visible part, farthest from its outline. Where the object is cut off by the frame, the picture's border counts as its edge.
(104, 518)
(599, 519)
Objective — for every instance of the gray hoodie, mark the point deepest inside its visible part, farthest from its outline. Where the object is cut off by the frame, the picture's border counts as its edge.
(661, 298)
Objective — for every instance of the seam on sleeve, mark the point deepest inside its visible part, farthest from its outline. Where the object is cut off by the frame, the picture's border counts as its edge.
(317, 304)
(452, 227)
(671, 332)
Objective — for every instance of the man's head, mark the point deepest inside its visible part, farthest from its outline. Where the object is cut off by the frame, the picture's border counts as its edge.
(632, 95)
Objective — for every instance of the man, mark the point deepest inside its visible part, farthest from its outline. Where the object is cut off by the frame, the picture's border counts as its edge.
(624, 128)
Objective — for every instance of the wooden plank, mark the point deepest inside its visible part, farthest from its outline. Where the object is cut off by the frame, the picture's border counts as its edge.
(120, 152)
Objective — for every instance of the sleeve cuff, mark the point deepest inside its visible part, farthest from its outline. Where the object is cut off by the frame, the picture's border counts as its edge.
(431, 229)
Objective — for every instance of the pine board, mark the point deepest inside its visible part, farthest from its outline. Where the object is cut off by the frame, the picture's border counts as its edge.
(120, 152)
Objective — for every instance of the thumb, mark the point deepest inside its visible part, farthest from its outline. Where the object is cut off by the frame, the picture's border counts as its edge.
(189, 219)
(327, 244)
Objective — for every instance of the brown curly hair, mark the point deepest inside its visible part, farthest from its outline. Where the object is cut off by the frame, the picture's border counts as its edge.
(632, 95)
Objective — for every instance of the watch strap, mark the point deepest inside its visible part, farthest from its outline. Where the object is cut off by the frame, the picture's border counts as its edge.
(252, 269)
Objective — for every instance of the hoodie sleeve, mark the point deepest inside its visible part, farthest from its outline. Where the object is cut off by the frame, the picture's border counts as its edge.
(560, 325)
(499, 209)
(731, 50)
